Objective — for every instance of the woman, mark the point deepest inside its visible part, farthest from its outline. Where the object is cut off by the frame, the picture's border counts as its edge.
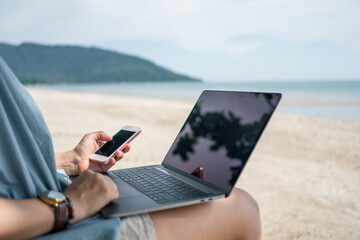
(28, 170)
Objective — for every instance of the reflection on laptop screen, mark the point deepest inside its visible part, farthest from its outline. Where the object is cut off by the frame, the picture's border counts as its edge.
(219, 135)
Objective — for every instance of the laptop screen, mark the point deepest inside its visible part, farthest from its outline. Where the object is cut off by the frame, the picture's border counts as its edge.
(219, 134)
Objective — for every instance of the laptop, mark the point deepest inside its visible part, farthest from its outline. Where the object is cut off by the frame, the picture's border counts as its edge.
(205, 160)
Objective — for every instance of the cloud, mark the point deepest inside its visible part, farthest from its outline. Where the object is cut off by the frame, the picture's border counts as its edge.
(196, 25)
(212, 39)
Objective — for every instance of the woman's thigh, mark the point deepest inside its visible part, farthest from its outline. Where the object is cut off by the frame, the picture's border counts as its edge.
(236, 217)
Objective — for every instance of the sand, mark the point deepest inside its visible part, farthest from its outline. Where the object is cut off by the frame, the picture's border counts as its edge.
(304, 173)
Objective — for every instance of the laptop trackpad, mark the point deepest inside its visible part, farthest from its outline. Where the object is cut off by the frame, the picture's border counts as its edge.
(125, 190)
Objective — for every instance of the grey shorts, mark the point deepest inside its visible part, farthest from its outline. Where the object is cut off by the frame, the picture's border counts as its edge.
(137, 227)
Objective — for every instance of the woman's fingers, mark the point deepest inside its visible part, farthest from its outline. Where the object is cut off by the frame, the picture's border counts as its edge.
(101, 136)
(126, 148)
(100, 143)
(108, 165)
(118, 155)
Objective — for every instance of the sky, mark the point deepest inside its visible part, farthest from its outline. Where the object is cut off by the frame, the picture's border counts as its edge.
(215, 40)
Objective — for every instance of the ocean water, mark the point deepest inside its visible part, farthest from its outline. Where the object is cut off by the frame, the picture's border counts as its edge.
(330, 92)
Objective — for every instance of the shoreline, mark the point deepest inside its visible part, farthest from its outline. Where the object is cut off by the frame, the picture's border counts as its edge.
(316, 91)
(288, 101)
(333, 109)
(303, 172)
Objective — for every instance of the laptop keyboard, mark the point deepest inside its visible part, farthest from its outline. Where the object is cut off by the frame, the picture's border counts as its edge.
(159, 186)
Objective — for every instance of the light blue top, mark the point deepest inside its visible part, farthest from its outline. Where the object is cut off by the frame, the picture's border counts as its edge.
(27, 161)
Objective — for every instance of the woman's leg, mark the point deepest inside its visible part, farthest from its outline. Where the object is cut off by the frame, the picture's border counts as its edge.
(236, 217)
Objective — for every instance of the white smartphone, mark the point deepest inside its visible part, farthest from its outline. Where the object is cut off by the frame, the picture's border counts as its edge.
(124, 136)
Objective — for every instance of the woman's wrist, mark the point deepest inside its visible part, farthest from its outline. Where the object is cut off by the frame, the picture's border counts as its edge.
(68, 161)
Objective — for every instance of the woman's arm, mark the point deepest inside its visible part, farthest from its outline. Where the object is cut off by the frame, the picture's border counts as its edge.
(28, 218)
(76, 161)
(24, 219)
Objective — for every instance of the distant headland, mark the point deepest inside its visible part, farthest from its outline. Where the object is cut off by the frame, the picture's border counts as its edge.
(36, 63)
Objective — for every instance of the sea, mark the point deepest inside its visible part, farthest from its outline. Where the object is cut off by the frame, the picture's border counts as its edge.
(339, 100)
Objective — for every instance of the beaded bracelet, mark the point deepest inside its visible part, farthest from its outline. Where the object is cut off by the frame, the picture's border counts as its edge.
(71, 212)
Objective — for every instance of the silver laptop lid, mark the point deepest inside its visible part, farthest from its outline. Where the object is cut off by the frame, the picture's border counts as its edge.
(219, 135)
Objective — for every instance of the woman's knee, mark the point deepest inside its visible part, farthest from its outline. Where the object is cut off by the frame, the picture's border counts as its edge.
(243, 199)
(246, 214)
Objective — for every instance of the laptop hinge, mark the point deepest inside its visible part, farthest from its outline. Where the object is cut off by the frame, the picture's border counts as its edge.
(207, 184)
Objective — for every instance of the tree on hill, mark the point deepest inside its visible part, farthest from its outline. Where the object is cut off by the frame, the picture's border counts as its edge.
(35, 63)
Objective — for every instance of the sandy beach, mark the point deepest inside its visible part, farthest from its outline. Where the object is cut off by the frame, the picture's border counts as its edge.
(304, 172)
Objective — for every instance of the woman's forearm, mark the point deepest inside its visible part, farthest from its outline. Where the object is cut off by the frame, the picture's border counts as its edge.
(24, 219)
(28, 218)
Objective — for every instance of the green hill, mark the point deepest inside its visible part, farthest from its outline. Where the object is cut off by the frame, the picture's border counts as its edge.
(34, 63)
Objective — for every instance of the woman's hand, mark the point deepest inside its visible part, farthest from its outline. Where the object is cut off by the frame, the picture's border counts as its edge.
(77, 160)
(89, 193)
(88, 145)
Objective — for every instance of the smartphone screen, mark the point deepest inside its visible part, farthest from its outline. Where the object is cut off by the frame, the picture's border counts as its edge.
(111, 146)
